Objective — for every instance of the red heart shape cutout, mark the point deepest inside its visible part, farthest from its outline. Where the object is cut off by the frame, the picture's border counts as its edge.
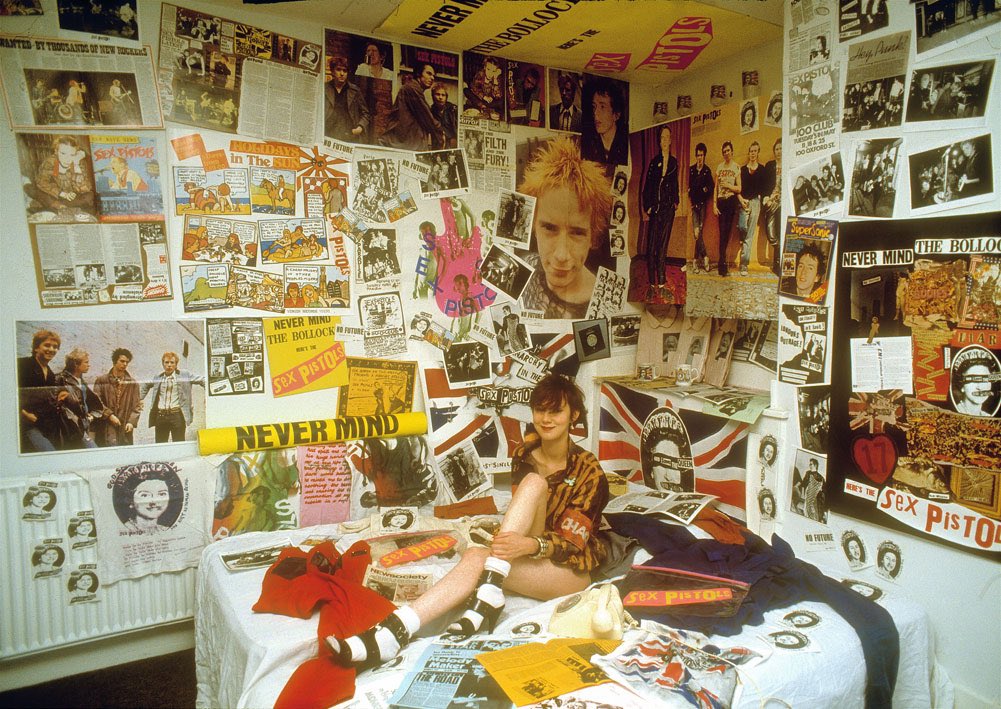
(876, 457)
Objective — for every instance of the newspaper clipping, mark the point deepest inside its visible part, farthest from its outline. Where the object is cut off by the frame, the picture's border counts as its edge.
(236, 356)
(55, 82)
(209, 67)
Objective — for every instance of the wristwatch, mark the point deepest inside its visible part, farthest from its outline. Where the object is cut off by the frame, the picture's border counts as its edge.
(543, 552)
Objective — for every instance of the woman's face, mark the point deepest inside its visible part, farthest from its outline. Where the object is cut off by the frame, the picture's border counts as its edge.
(974, 391)
(41, 499)
(84, 583)
(49, 556)
(85, 528)
(768, 454)
(555, 425)
(151, 498)
(854, 550)
(889, 562)
(768, 506)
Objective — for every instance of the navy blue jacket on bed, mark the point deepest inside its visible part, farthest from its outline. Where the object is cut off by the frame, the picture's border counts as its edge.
(778, 580)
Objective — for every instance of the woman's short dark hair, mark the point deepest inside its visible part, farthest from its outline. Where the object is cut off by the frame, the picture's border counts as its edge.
(553, 390)
(75, 579)
(30, 495)
(74, 526)
(36, 558)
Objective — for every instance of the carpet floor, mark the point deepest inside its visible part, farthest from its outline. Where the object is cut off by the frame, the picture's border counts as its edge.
(165, 682)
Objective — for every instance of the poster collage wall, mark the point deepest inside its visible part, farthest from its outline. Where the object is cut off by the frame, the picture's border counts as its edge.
(891, 175)
(415, 224)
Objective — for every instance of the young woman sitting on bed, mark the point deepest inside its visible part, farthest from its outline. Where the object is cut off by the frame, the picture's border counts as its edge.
(546, 547)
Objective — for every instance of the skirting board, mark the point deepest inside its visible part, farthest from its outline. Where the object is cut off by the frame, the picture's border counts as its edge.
(96, 654)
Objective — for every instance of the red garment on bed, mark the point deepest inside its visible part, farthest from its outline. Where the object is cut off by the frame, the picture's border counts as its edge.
(299, 581)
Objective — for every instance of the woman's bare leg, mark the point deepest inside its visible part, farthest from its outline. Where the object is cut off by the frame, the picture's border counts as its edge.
(454, 588)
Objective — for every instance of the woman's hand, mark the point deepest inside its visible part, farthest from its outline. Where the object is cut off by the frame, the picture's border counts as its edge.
(511, 545)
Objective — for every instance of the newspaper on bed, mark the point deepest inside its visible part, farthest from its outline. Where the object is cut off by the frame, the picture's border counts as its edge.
(397, 587)
(449, 675)
(682, 506)
(537, 671)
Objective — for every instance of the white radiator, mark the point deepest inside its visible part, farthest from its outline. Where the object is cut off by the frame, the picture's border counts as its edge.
(35, 614)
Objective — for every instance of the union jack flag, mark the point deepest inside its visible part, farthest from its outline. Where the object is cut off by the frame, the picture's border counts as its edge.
(719, 445)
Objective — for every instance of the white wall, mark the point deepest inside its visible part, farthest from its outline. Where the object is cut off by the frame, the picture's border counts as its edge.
(960, 591)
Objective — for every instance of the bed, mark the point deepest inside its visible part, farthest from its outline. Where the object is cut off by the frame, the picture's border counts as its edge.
(244, 659)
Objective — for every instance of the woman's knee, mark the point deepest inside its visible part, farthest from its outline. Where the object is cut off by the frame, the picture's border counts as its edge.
(532, 485)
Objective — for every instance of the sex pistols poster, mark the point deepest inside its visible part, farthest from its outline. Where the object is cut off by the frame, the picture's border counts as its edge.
(916, 381)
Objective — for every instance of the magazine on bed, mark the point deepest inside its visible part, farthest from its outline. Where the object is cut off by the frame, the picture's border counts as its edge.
(682, 506)
(448, 675)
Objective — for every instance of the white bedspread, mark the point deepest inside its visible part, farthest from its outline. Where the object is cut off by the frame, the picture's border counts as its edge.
(244, 658)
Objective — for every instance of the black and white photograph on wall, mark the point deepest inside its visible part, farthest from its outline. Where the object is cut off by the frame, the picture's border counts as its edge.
(505, 272)
(81, 98)
(807, 496)
(109, 18)
(873, 188)
(854, 550)
(591, 339)
(951, 92)
(749, 116)
(874, 82)
(889, 560)
(514, 218)
(484, 86)
(604, 134)
(625, 331)
(818, 187)
(377, 252)
(773, 110)
(83, 584)
(952, 175)
(813, 406)
(374, 185)
(468, 364)
(448, 175)
(943, 26)
(526, 93)
(802, 344)
(746, 334)
(860, 17)
(765, 351)
(47, 558)
(564, 100)
(512, 335)
(82, 531)
(874, 104)
(462, 471)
